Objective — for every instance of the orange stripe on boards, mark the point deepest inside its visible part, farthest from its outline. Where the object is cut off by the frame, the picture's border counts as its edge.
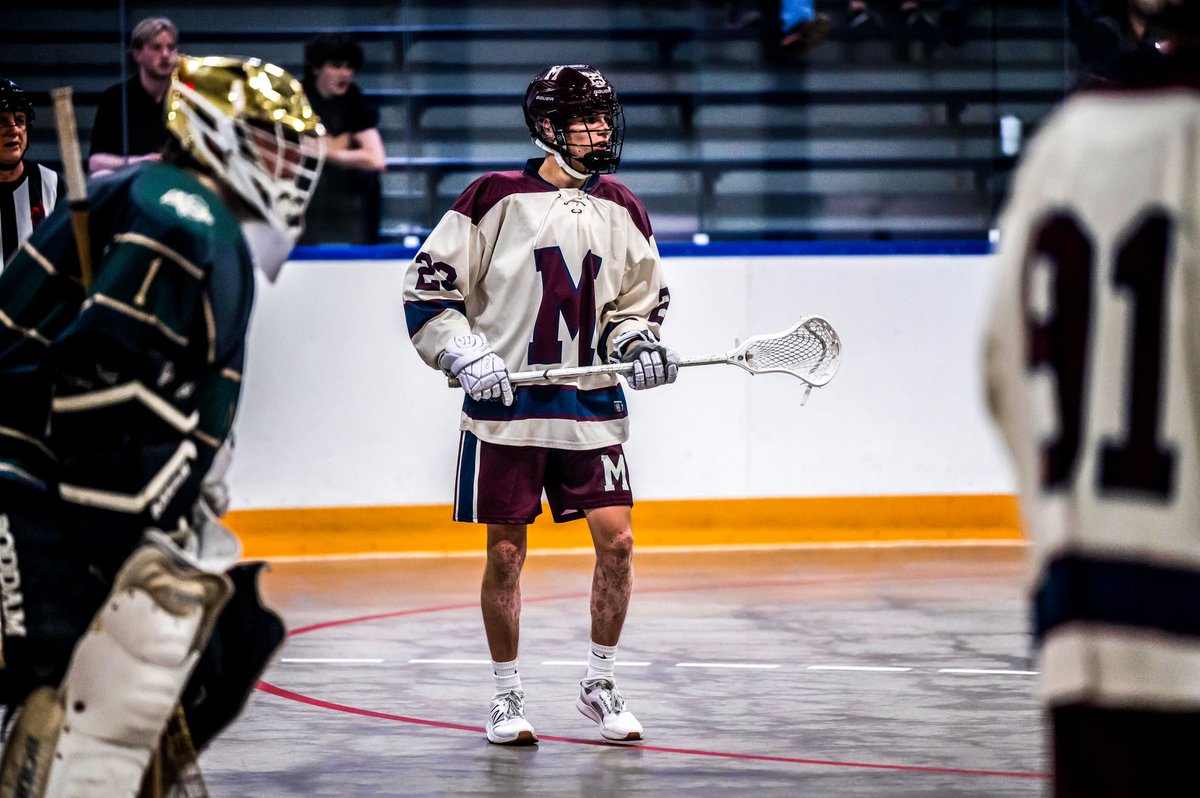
(365, 530)
(314, 531)
(825, 520)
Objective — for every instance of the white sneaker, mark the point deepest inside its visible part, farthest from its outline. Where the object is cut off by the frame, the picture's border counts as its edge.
(600, 700)
(507, 724)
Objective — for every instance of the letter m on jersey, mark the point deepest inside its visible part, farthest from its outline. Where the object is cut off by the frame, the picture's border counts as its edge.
(562, 298)
(614, 472)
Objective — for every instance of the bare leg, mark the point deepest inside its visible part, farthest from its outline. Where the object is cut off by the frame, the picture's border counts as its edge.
(500, 596)
(612, 580)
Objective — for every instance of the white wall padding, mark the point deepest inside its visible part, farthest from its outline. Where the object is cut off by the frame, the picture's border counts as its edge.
(339, 411)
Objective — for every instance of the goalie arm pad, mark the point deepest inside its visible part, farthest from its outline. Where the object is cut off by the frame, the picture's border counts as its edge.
(123, 421)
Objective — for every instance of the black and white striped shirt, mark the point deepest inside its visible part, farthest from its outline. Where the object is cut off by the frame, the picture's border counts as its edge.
(24, 203)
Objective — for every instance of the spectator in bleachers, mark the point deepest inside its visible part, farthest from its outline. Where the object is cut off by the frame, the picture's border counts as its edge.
(346, 206)
(742, 13)
(800, 27)
(1104, 31)
(913, 18)
(860, 17)
(28, 190)
(129, 125)
(803, 28)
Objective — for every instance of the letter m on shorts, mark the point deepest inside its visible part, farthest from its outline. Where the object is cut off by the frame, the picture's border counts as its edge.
(561, 297)
(614, 472)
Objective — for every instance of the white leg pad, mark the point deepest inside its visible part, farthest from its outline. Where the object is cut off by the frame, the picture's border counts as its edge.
(29, 747)
(128, 671)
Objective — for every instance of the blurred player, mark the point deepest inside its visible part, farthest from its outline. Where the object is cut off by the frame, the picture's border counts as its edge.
(117, 398)
(28, 190)
(1093, 359)
(554, 265)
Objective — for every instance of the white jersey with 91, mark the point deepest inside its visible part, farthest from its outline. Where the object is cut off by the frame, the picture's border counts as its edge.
(1093, 362)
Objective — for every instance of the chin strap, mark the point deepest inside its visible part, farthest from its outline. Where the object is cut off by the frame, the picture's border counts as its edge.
(561, 160)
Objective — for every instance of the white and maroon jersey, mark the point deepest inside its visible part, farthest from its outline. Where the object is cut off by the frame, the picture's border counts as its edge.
(1094, 377)
(551, 276)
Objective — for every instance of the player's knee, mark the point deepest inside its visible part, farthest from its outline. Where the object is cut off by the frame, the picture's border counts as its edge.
(505, 560)
(616, 546)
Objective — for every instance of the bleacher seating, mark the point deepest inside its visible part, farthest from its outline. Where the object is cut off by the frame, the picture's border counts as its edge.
(870, 136)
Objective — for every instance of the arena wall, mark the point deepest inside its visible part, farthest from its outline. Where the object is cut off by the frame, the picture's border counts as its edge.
(346, 442)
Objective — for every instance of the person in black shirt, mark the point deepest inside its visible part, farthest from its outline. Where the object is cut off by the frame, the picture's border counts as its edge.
(346, 206)
(138, 132)
(28, 190)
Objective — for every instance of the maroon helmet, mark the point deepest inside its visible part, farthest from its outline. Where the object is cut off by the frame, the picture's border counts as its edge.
(562, 93)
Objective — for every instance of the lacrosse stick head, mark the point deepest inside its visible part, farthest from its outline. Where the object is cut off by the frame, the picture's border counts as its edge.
(809, 349)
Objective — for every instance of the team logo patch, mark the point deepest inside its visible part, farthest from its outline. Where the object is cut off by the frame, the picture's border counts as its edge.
(189, 206)
(614, 472)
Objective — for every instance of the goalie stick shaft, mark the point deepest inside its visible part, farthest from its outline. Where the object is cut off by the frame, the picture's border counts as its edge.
(72, 158)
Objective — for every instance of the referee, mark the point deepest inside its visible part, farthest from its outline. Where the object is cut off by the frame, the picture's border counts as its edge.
(28, 190)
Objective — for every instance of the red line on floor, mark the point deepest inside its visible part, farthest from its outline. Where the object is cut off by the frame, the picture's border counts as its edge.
(267, 687)
(280, 692)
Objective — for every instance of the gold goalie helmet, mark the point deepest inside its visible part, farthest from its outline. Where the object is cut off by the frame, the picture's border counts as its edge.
(251, 125)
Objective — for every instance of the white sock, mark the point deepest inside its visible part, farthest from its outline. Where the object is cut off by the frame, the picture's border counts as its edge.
(506, 675)
(602, 660)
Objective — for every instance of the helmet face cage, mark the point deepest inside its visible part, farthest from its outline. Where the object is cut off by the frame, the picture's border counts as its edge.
(14, 100)
(283, 167)
(563, 93)
(266, 146)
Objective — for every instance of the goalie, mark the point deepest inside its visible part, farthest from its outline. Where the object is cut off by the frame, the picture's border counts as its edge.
(121, 600)
(554, 265)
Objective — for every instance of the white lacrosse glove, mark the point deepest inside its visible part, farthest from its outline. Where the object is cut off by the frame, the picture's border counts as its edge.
(482, 374)
(653, 363)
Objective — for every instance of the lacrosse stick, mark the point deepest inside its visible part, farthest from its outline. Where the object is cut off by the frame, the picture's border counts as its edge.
(72, 160)
(809, 350)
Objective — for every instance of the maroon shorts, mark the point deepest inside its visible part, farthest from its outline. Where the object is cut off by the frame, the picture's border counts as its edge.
(503, 484)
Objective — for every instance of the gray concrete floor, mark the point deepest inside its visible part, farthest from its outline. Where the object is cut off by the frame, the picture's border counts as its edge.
(882, 672)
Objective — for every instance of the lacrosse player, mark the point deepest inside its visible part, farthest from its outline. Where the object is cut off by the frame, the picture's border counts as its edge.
(119, 588)
(1093, 356)
(554, 265)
